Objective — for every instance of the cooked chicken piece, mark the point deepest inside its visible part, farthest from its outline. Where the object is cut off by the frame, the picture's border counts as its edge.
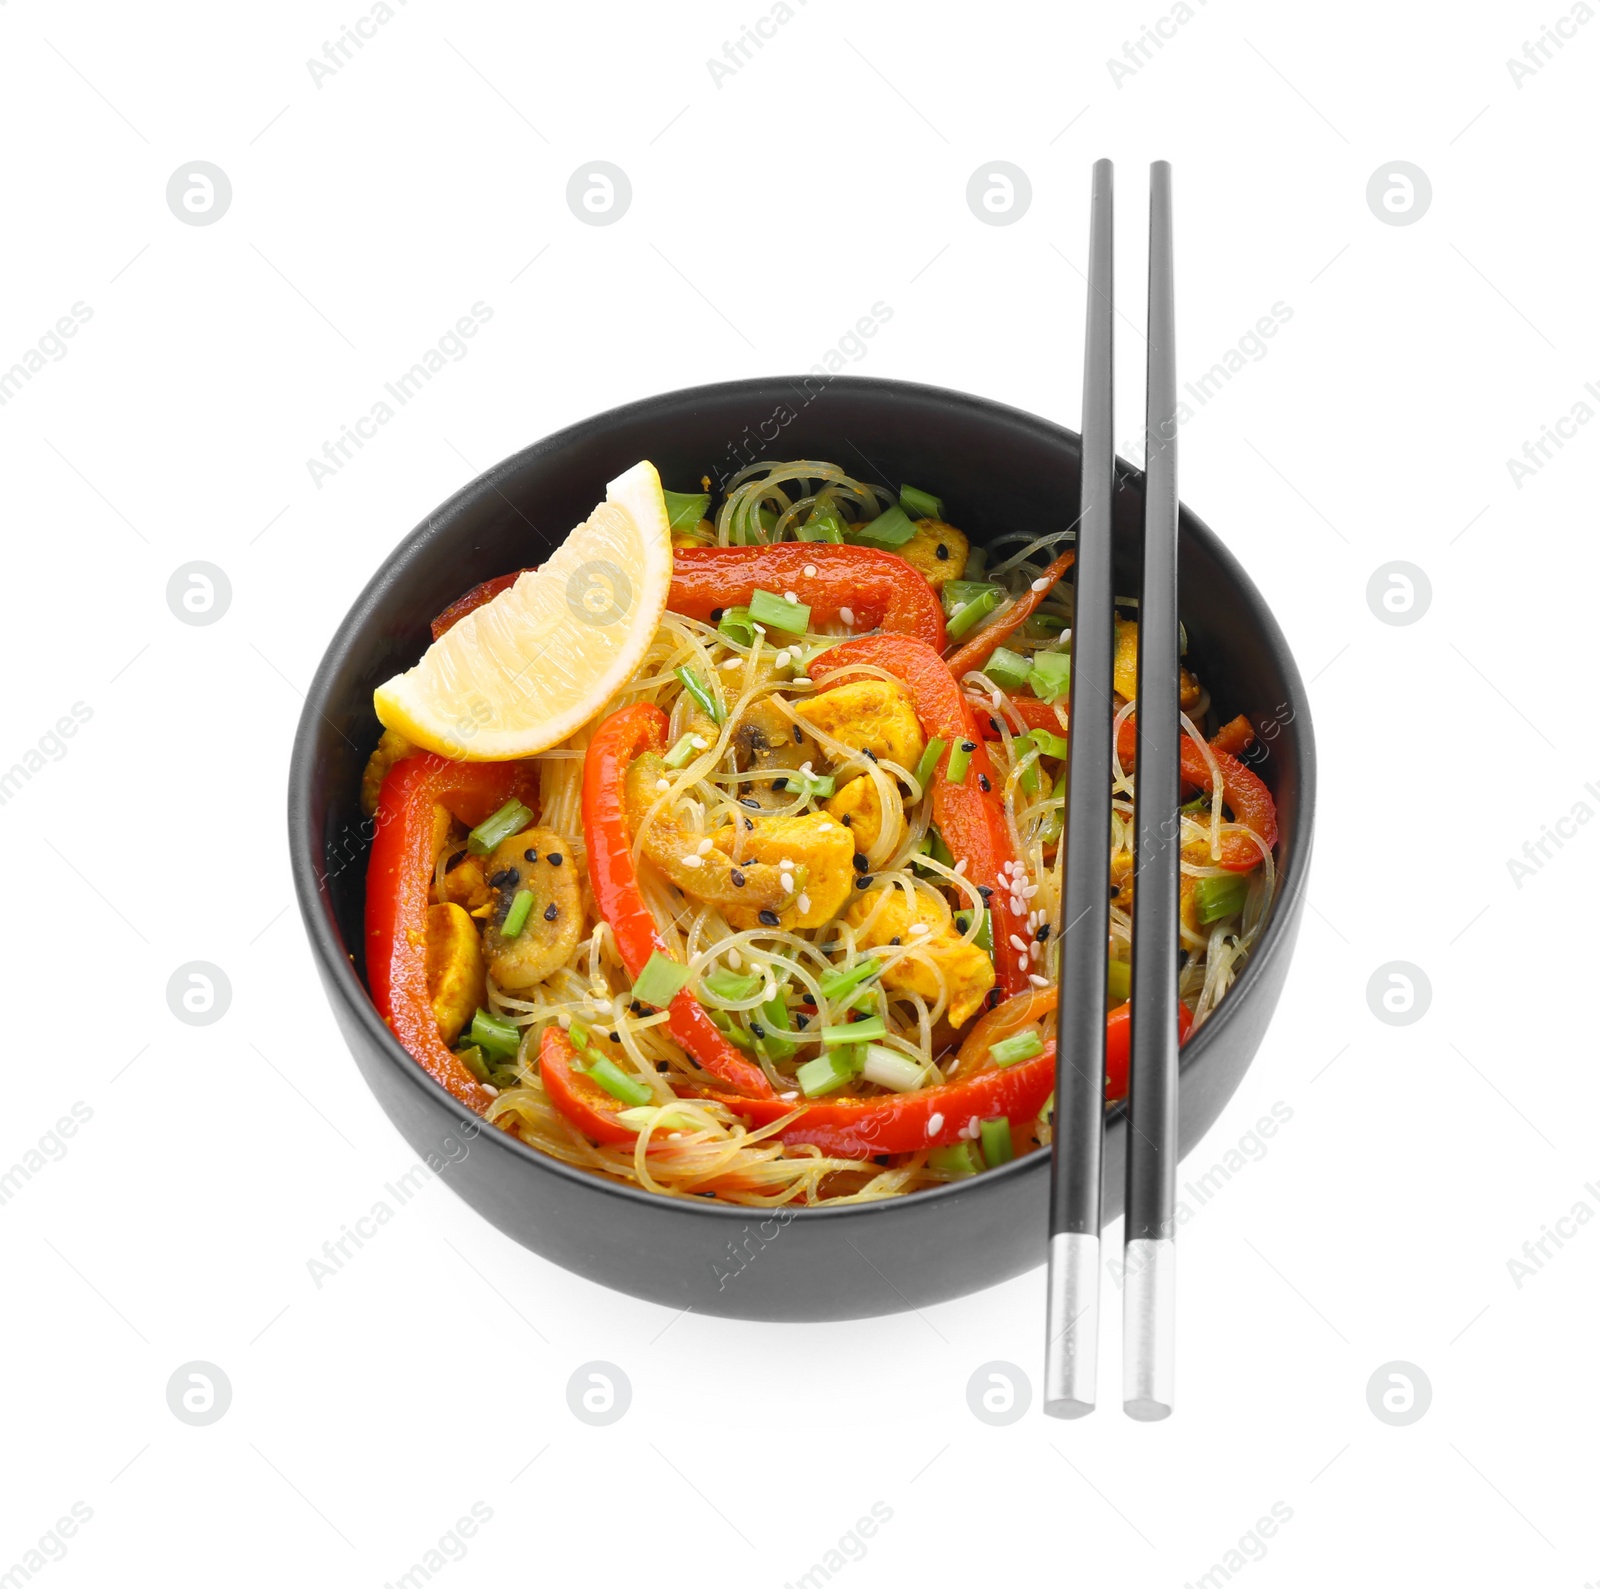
(1125, 670)
(455, 969)
(392, 747)
(873, 715)
(466, 885)
(1122, 879)
(861, 809)
(923, 552)
(701, 870)
(538, 860)
(824, 872)
(968, 972)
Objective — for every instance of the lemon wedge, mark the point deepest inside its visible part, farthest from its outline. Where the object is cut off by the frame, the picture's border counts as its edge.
(526, 669)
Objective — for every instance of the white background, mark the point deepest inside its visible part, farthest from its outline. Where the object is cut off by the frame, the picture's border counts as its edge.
(769, 213)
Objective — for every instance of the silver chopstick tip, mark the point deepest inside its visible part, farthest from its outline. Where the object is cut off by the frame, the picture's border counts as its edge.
(1073, 1314)
(1149, 1328)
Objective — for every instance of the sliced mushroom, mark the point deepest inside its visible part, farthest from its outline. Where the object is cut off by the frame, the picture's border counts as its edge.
(539, 861)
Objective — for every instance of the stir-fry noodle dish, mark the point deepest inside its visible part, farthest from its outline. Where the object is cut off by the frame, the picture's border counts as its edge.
(721, 856)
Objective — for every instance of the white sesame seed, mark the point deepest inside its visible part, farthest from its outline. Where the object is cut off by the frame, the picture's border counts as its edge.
(565, 1022)
(799, 678)
(1039, 981)
(848, 616)
(781, 660)
(672, 1136)
(805, 767)
(1016, 906)
(703, 847)
(960, 868)
(698, 741)
(804, 903)
(972, 1127)
(788, 881)
(663, 784)
(693, 860)
(810, 570)
(935, 1124)
(788, 1097)
(789, 595)
(1008, 867)
(918, 928)
(1040, 584)
(1018, 942)
(786, 865)
(1029, 891)
(735, 959)
(960, 606)
(1035, 950)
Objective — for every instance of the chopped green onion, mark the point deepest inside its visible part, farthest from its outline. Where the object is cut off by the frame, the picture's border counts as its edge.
(970, 614)
(731, 985)
(767, 518)
(828, 1072)
(660, 980)
(812, 786)
(885, 1068)
(685, 509)
(995, 1135)
(867, 1031)
(774, 1020)
(603, 1073)
(1052, 675)
(977, 561)
(495, 1036)
(823, 525)
(1119, 982)
(777, 613)
(1044, 625)
(1012, 1050)
(509, 819)
(890, 529)
(517, 916)
(985, 934)
(471, 1056)
(503, 1076)
(958, 592)
(1216, 897)
(701, 694)
(733, 1031)
(959, 1159)
(671, 1119)
(1049, 744)
(579, 1035)
(1028, 775)
(1008, 669)
(846, 979)
(929, 760)
(920, 504)
(955, 770)
(735, 626)
(681, 754)
(934, 847)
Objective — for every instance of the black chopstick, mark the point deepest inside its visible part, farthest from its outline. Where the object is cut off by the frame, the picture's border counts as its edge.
(1148, 1314)
(1080, 1106)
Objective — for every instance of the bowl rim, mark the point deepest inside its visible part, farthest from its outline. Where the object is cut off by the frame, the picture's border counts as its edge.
(335, 960)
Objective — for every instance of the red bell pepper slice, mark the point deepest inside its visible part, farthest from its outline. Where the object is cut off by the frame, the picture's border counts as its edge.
(880, 590)
(399, 874)
(587, 1105)
(615, 880)
(474, 598)
(983, 645)
(1243, 793)
(970, 814)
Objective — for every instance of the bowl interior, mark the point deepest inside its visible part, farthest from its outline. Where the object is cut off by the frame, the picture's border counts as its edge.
(997, 470)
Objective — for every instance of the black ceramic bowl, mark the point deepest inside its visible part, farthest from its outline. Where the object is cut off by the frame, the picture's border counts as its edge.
(996, 469)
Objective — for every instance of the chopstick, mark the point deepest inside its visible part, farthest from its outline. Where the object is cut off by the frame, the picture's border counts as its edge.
(1148, 1313)
(1080, 1106)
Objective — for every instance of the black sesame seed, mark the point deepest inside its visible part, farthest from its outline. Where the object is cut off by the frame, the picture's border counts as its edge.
(530, 855)
(508, 878)
(985, 890)
(757, 1030)
(755, 805)
(716, 615)
(983, 782)
(768, 918)
(994, 724)
(994, 997)
(968, 746)
(780, 783)
(860, 863)
(870, 756)
(1043, 933)
(845, 819)
(551, 911)
(942, 552)
(749, 826)
(455, 860)
(1115, 890)
(555, 859)
(799, 738)
(616, 1037)
(636, 1007)
(863, 882)
(738, 877)
(800, 1022)
(661, 1064)
(894, 943)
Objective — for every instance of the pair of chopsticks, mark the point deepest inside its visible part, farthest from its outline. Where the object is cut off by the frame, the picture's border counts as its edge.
(1148, 1325)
